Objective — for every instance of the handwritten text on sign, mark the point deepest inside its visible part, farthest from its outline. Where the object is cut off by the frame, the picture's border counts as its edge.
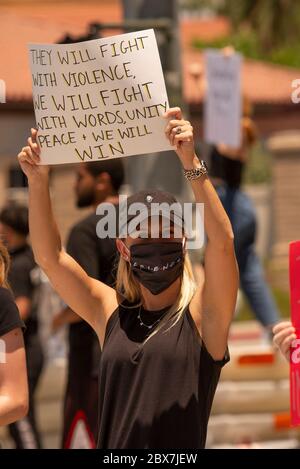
(223, 99)
(99, 99)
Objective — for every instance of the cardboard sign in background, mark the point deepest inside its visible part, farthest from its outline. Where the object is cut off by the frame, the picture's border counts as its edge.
(99, 99)
(222, 107)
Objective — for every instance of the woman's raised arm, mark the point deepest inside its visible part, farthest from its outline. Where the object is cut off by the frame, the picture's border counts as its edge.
(216, 301)
(89, 298)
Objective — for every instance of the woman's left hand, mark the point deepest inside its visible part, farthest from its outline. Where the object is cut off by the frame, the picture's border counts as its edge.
(180, 134)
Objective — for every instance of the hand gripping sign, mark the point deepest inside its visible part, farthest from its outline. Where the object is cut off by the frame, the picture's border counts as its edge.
(99, 99)
(294, 260)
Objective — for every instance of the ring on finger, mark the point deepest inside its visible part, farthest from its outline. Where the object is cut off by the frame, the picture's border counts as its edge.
(178, 130)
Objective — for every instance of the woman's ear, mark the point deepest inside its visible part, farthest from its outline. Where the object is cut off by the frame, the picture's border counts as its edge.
(123, 250)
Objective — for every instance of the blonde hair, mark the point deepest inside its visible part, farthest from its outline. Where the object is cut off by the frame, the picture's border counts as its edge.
(129, 288)
(4, 265)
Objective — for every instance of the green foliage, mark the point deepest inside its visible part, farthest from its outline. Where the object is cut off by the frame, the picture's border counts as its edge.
(266, 30)
(287, 55)
(276, 22)
(282, 301)
(247, 43)
(258, 169)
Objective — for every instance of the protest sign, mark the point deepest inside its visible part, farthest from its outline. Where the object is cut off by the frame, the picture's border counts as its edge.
(294, 267)
(99, 99)
(222, 107)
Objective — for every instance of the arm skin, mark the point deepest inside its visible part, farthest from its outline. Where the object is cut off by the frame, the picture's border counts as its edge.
(64, 317)
(218, 297)
(82, 246)
(213, 304)
(13, 379)
(24, 305)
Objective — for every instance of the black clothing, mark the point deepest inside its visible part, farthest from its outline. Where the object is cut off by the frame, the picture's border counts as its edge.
(9, 314)
(156, 265)
(156, 395)
(97, 257)
(227, 169)
(21, 279)
(25, 431)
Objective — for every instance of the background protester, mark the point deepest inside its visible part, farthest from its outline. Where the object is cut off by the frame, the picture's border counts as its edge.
(227, 168)
(13, 376)
(21, 276)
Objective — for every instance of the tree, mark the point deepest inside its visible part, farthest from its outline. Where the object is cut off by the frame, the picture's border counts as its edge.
(276, 22)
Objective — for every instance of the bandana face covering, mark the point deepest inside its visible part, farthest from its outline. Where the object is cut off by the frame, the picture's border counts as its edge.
(156, 265)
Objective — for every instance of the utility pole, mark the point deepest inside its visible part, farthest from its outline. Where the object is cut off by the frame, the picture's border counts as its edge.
(161, 170)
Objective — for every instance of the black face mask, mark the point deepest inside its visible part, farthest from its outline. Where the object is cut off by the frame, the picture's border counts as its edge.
(156, 265)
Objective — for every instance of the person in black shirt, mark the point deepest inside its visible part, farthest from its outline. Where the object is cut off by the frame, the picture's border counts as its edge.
(163, 339)
(13, 376)
(14, 229)
(95, 183)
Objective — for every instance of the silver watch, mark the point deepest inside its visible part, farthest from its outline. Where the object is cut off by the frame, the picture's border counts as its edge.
(196, 172)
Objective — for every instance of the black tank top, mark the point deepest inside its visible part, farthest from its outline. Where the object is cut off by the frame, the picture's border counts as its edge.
(156, 395)
(227, 169)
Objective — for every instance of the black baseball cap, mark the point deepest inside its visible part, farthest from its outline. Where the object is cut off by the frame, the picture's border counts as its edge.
(148, 203)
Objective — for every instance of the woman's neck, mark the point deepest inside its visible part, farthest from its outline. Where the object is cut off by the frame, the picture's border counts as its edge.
(167, 297)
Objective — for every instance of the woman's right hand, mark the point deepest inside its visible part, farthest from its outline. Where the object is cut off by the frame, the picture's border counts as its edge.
(29, 158)
(284, 335)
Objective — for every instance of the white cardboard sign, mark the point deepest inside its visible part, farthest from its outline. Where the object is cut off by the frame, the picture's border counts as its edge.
(99, 99)
(222, 108)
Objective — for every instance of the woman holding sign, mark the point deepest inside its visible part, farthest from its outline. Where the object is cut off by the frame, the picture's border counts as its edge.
(163, 340)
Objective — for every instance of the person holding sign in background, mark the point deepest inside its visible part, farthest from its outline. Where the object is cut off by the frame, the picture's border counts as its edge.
(286, 333)
(284, 337)
(13, 376)
(163, 340)
(227, 165)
